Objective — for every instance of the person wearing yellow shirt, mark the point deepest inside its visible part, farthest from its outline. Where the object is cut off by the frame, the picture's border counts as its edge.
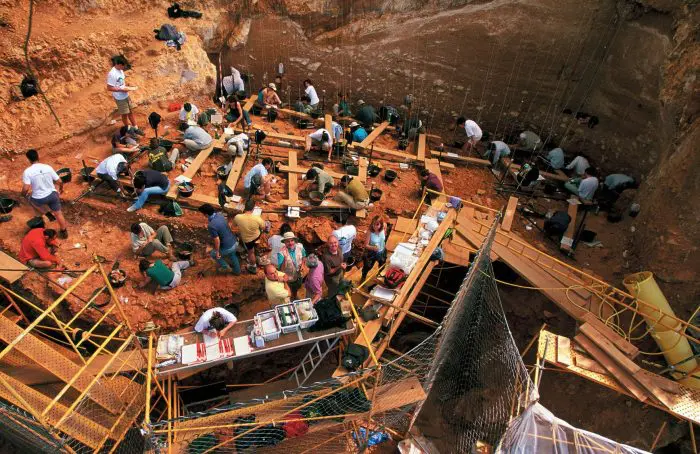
(250, 226)
(276, 286)
(353, 194)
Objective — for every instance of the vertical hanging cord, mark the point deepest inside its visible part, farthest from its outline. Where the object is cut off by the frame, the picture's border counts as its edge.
(29, 65)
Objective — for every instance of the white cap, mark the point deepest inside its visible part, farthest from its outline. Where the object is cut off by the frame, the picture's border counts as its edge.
(360, 102)
(272, 85)
(353, 124)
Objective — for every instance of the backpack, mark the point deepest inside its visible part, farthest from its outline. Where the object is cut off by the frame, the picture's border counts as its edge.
(158, 160)
(166, 32)
(170, 209)
(394, 277)
(355, 356)
(329, 314)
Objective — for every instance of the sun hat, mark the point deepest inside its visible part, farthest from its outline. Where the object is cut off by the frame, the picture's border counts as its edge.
(272, 85)
(289, 236)
(353, 124)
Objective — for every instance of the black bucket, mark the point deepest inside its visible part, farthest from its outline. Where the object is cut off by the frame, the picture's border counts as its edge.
(85, 174)
(117, 278)
(65, 174)
(390, 175)
(373, 170)
(6, 205)
(375, 195)
(184, 251)
(185, 189)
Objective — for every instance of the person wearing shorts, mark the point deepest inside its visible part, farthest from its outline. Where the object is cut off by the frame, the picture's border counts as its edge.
(38, 184)
(250, 226)
(116, 84)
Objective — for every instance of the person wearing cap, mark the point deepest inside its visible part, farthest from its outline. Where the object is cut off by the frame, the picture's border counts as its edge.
(313, 283)
(358, 132)
(194, 138)
(110, 169)
(320, 138)
(290, 260)
(311, 93)
(270, 97)
(318, 179)
(366, 114)
(259, 180)
(333, 264)
(354, 195)
(250, 226)
(223, 239)
(274, 242)
(473, 132)
(276, 284)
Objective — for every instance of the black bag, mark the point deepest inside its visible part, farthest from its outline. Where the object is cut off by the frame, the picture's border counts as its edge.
(329, 315)
(29, 86)
(170, 209)
(271, 115)
(158, 160)
(167, 32)
(355, 356)
(154, 120)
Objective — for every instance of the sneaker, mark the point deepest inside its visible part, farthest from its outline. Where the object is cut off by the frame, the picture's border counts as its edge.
(137, 131)
(132, 208)
(49, 215)
(63, 234)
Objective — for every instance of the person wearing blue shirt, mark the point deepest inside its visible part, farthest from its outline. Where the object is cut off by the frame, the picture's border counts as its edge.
(258, 180)
(358, 132)
(555, 158)
(224, 242)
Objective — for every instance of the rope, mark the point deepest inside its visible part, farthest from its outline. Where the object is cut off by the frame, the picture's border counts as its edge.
(29, 66)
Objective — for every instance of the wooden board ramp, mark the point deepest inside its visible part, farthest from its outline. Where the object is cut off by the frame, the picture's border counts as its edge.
(420, 153)
(8, 263)
(250, 102)
(192, 169)
(681, 402)
(372, 136)
(507, 221)
(459, 158)
(54, 362)
(567, 240)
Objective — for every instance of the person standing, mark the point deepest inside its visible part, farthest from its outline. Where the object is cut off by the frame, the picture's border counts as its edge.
(145, 241)
(276, 287)
(346, 236)
(333, 265)
(290, 260)
(147, 183)
(116, 83)
(250, 226)
(313, 283)
(275, 242)
(224, 242)
(473, 132)
(311, 93)
(38, 184)
(375, 246)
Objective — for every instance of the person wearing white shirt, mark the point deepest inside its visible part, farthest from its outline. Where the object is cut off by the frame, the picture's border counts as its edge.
(584, 188)
(311, 93)
(218, 319)
(233, 84)
(110, 169)
(473, 132)
(579, 164)
(189, 113)
(275, 242)
(345, 235)
(116, 83)
(38, 183)
(497, 150)
(320, 138)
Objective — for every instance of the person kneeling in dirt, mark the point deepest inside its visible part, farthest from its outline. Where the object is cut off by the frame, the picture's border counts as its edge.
(38, 248)
(237, 144)
(355, 195)
(148, 182)
(429, 180)
(218, 319)
(321, 139)
(194, 138)
(224, 241)
(166, 278)
(318, 179)
(110, 169)
(259, 180)
(124, 140)
(188, 113)
(145, 241)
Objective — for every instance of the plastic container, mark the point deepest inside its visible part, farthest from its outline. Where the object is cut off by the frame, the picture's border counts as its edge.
(282, 311)
(304, 324)
(260, 317)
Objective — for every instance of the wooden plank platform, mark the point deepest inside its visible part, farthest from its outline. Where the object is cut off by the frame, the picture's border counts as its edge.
(420, 154)
(9, 263)
(456, 157)
(372, 136)
(567, 240)
(328, 123)
(236, 169)
(250, 102)
(192, 169)
(507, 221)
(561, 176)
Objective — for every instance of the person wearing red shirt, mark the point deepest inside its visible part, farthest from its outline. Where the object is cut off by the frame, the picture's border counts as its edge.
(37, 248)
(431, 181)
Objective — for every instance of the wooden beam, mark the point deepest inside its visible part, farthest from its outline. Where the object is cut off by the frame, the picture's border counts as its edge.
(250, 102)
(622, 344)
(294, 113)
(302, 170)
(421, 148)
(456, 157)
(293, 179)
(328, 123)
(376, 132)
(362, 170)
(192, 169)
(236, 169)
(9, 263)
(507, 221)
